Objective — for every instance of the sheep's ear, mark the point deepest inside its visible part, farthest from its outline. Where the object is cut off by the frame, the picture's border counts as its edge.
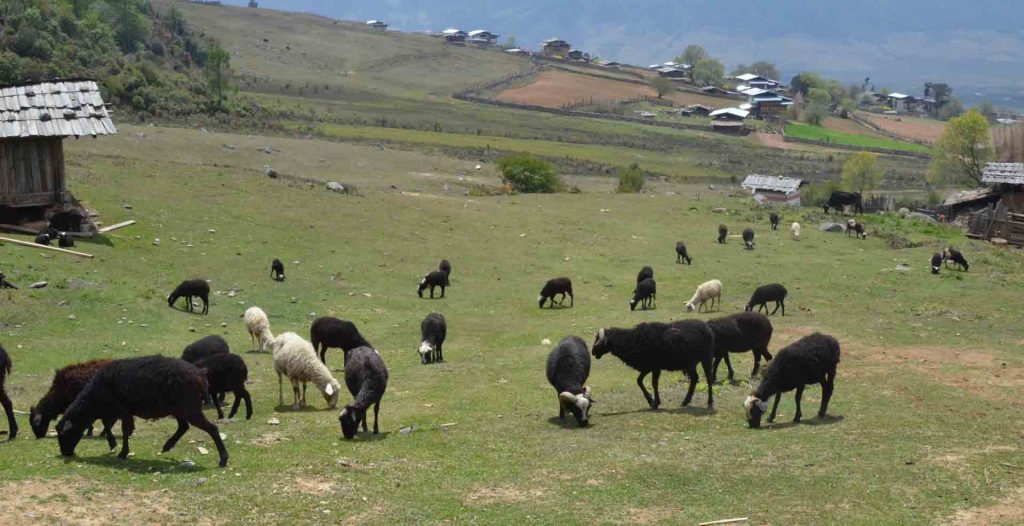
(329, 390)
(600, 336)
(567, 397)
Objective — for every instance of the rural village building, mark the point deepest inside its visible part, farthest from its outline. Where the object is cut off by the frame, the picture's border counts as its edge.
(454, 36)
(34, 121)
(555, 48)
(774, 190)
(1004, 218)
(766, 104)
(376, 24)
(673, 73)
(757, 81)
(482, 37)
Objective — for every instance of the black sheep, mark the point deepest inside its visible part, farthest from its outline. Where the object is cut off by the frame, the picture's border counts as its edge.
(646, 272)
(66, 385)
(936, 262)
(205, 347)
(650, 348)
(43, 238)
(765, 293)
(954, 255)
(329, 332)
(742, 332)
(193, 288)
(436, 278)
(4, 284)
(748, 238)
(723, 231)
(433, 329)
(645, 294)
(568, 369)
(5, 369)
(555, 287)
(64, 240)
(277, 270)
(367, 378)
(809, 360)
(150, 387)
(227, 373)
(773, 218)
(681, 255)
(446, 267)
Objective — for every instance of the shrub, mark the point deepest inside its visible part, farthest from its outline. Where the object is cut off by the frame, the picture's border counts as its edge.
(529, 175)
(631, 179)
(817, 194)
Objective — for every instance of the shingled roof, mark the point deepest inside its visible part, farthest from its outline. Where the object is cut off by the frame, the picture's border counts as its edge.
(53, 109)
(770, 183)
(1009, 173)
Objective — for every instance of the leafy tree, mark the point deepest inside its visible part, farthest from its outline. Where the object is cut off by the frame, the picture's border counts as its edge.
(529, 175)
(988, 110)
(631, 179)
(218, 63)
(805, 81)
(128, 19)
(860, 173)
(692, 55)
(953, 108)
(708, 72)
(661, 85)
(961, 151)
(511, 42)
(816, 105)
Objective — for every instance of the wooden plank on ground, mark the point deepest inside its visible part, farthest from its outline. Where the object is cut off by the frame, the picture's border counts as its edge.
(44, 247)
(117, 226)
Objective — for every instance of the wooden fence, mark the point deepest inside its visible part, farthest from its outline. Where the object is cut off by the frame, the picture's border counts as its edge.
(997, 221)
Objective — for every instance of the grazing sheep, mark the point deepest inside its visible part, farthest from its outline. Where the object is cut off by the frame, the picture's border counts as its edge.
(809, 360)
(555, 287)
(150, 387)
(329, 332)
(936, 262)
(856, 228)
(193, 288)
(742, 332)
(433, 329)
(646, 272)
(446, 267)
(4, 284)
(748, 238)
(681, 255)
(5, 369)
(64, 240)
(366, 377)
(765, 293)
(773, 218)
(296, 359)
(707, 291)
(645, 294)
(794, 231)
(258, 326)
(43, 238)
(650, 348)
(277, 270)
(205, 347)
(954, 255)
(436, 278)
(568, 368)
(227, 373)
(66, 385)
(723, 231)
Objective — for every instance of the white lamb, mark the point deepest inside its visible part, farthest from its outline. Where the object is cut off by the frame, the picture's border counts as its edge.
(794, 229)
(295, 358)
(259, 327)
(709, 290)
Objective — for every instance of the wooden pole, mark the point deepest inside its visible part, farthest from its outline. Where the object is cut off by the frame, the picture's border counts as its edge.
(46, 247)
(111, 228)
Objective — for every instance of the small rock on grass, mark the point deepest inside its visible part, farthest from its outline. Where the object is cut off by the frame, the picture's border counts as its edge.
(273, 422)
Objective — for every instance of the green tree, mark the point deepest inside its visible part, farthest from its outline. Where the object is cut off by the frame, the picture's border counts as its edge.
(805, 81)
(692, 55)
(953, 108)
(708, 72)
(661, 86)
(218, 63)
(529, 175)
(631, 179)
(511, 42)
(127, 18)
(860, 172)
(988, 110)
(961, 151)
(816, 105)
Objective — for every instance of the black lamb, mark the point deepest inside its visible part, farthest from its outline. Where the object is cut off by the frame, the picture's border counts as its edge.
(652, 347)
(936, 262)
(150, 387)
(43, 238)
(809, 360)
(367, 378)
(446, 267)
(227, 373)
(568, 368)
(277, 270)
(193, 288)
(773, 218)
(646, 272)
(748, 238)
(66, 385)
(645, 294)
(205, 347)
(742, 332)
(4, 284)
(681, 255)
(5, 369)
(437, 278)
(723, 231)
(329, 332)
(64, 240)
(434, 329)
(765, 293)
(954, 255)
(555, 287)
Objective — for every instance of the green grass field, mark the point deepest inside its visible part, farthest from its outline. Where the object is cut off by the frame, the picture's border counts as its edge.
(925, 421)
(818, 133)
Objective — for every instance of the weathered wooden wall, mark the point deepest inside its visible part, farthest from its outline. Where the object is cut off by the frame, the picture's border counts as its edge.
(31, 171)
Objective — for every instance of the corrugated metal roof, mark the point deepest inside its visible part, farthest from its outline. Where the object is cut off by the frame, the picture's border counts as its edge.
(53, 109)
(730, 111)
(1009, 173)
(772, 183)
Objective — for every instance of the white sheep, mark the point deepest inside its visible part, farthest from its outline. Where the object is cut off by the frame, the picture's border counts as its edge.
(794, 230)
(709, 290)
(295, 358)
(258, 325)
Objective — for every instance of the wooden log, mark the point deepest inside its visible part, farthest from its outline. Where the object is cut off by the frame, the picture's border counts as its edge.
(723, 522)
(117, 226)
(45, 247)
(19, 229)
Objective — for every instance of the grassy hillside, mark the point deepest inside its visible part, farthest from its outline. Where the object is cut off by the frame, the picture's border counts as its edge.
(823, 134)
(923, 422)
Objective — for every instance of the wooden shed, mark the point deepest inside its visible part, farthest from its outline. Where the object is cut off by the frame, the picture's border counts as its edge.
(34, 121)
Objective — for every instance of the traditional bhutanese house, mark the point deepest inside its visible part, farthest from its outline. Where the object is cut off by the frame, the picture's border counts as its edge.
(766, 104)
(611, 65)
(555, 47)
(699, 110)
(671, 72)
(778, 190)
(1008, 180)
(517, 51)
(34, 121)
(376, 24)
(482, 37)
(757, 81)
(454, 36)
(897, 101)
(1005, 218)
(715, 90)
(968, 201)
(728, 120)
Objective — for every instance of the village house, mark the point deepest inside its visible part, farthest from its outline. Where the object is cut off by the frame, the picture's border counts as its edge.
(899, 102)
(757, 81)
(34, 121)
(482, 37)
(728, 120)
(576, 54)
(766, 104)
(555, 48)
(1001, 221)
(454, 36)
(672, 72)
(774, 190)
(376, 24)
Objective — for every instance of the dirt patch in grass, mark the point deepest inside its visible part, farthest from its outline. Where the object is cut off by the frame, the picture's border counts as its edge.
(1007, 510)
(75, 501)
(556, 88)
(501, 495)
(268, 439)
(647, 515)
(315, 486)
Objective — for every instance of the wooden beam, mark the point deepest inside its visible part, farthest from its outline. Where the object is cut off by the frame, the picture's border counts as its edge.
(45, 247)
(111, 228)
